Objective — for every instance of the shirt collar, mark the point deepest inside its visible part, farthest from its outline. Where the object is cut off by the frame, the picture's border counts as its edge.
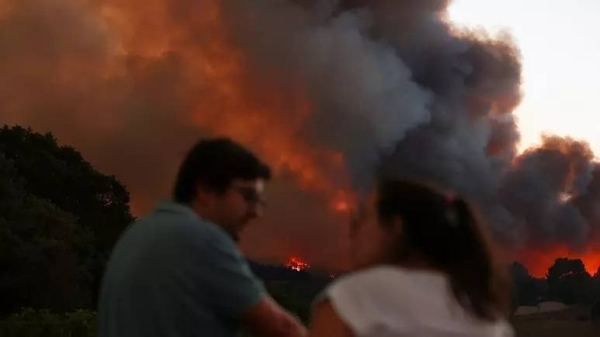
(169, 206)
(175, 207)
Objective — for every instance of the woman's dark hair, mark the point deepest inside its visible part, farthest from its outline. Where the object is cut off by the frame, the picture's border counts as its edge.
(443, 230)
(214, 163)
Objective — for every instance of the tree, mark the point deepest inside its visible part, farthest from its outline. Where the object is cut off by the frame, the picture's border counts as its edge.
(569, 282)
(595, 312)
(39, 266)
(59, 219)
(62, 176)
(596, 287)
(526, 289)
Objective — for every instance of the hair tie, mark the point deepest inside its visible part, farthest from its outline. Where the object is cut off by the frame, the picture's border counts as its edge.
(450, 198)
(451, 211)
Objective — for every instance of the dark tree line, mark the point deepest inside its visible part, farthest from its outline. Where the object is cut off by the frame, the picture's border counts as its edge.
(59, 218)
(566, 281)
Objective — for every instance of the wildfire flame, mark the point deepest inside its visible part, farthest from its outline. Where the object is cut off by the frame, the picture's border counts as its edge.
(297, 264)
(342, 201)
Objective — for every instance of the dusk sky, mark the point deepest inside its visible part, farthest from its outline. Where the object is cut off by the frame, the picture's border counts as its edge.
(560, 47)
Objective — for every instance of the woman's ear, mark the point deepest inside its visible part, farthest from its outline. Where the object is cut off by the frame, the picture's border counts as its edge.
(393, 231)
(392, 238)
(397, 226)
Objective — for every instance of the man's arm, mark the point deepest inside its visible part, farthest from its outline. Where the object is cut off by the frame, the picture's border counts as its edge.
(236, 293)
(268, 319)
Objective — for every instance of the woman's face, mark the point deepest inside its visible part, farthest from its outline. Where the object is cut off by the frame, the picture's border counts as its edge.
(370, 243)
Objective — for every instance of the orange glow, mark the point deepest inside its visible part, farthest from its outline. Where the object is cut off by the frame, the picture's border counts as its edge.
(265, 111)
(538, 261)
(274, 114)
(297, 264)
(4, 10)
(341, 206)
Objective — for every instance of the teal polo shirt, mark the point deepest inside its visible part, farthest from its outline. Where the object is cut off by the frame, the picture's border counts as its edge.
(173, 274)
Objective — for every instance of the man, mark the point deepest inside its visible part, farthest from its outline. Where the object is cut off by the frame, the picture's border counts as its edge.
(178, 272)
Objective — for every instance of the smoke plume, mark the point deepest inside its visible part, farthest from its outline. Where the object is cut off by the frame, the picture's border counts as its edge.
(328, 92)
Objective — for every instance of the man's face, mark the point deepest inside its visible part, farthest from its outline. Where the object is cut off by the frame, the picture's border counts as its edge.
(241, 202)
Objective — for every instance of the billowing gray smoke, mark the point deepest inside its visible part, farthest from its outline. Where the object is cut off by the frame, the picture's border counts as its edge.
(390, 84)
(396, 87)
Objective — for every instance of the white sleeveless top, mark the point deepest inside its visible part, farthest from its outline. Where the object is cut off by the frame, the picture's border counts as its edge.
(389, 301)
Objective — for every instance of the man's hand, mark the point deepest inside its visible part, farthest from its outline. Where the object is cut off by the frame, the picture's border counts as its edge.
(268, 319)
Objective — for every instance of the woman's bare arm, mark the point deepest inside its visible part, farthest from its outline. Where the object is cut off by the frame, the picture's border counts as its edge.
(327, 323)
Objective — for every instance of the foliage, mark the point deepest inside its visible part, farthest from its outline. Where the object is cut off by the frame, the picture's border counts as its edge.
(596, 290)
(43, 323)
(39, 264)
(59, 218)
(526, 289)
(566, 281)
(569, 282)
(595, 313)
(62, 176)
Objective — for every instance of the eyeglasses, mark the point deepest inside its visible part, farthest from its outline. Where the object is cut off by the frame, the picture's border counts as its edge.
(250, 195)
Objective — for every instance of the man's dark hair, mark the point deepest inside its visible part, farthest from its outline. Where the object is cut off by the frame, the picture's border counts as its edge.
(214, 163)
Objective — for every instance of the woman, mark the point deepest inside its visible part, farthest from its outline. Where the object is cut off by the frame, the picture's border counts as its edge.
(423, 267)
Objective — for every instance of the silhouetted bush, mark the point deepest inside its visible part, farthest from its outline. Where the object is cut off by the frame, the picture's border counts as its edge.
(43, 323)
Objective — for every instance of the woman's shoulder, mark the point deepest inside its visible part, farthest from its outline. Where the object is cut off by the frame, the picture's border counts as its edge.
(375, 294)
(401, 300)
(384, 277)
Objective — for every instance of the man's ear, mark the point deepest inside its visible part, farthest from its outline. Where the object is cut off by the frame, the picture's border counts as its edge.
(203, 195)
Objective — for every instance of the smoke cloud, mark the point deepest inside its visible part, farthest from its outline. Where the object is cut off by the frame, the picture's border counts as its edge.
(328, 92)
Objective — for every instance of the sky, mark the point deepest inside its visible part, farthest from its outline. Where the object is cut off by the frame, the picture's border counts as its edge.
(132, 83)
(560, 46)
